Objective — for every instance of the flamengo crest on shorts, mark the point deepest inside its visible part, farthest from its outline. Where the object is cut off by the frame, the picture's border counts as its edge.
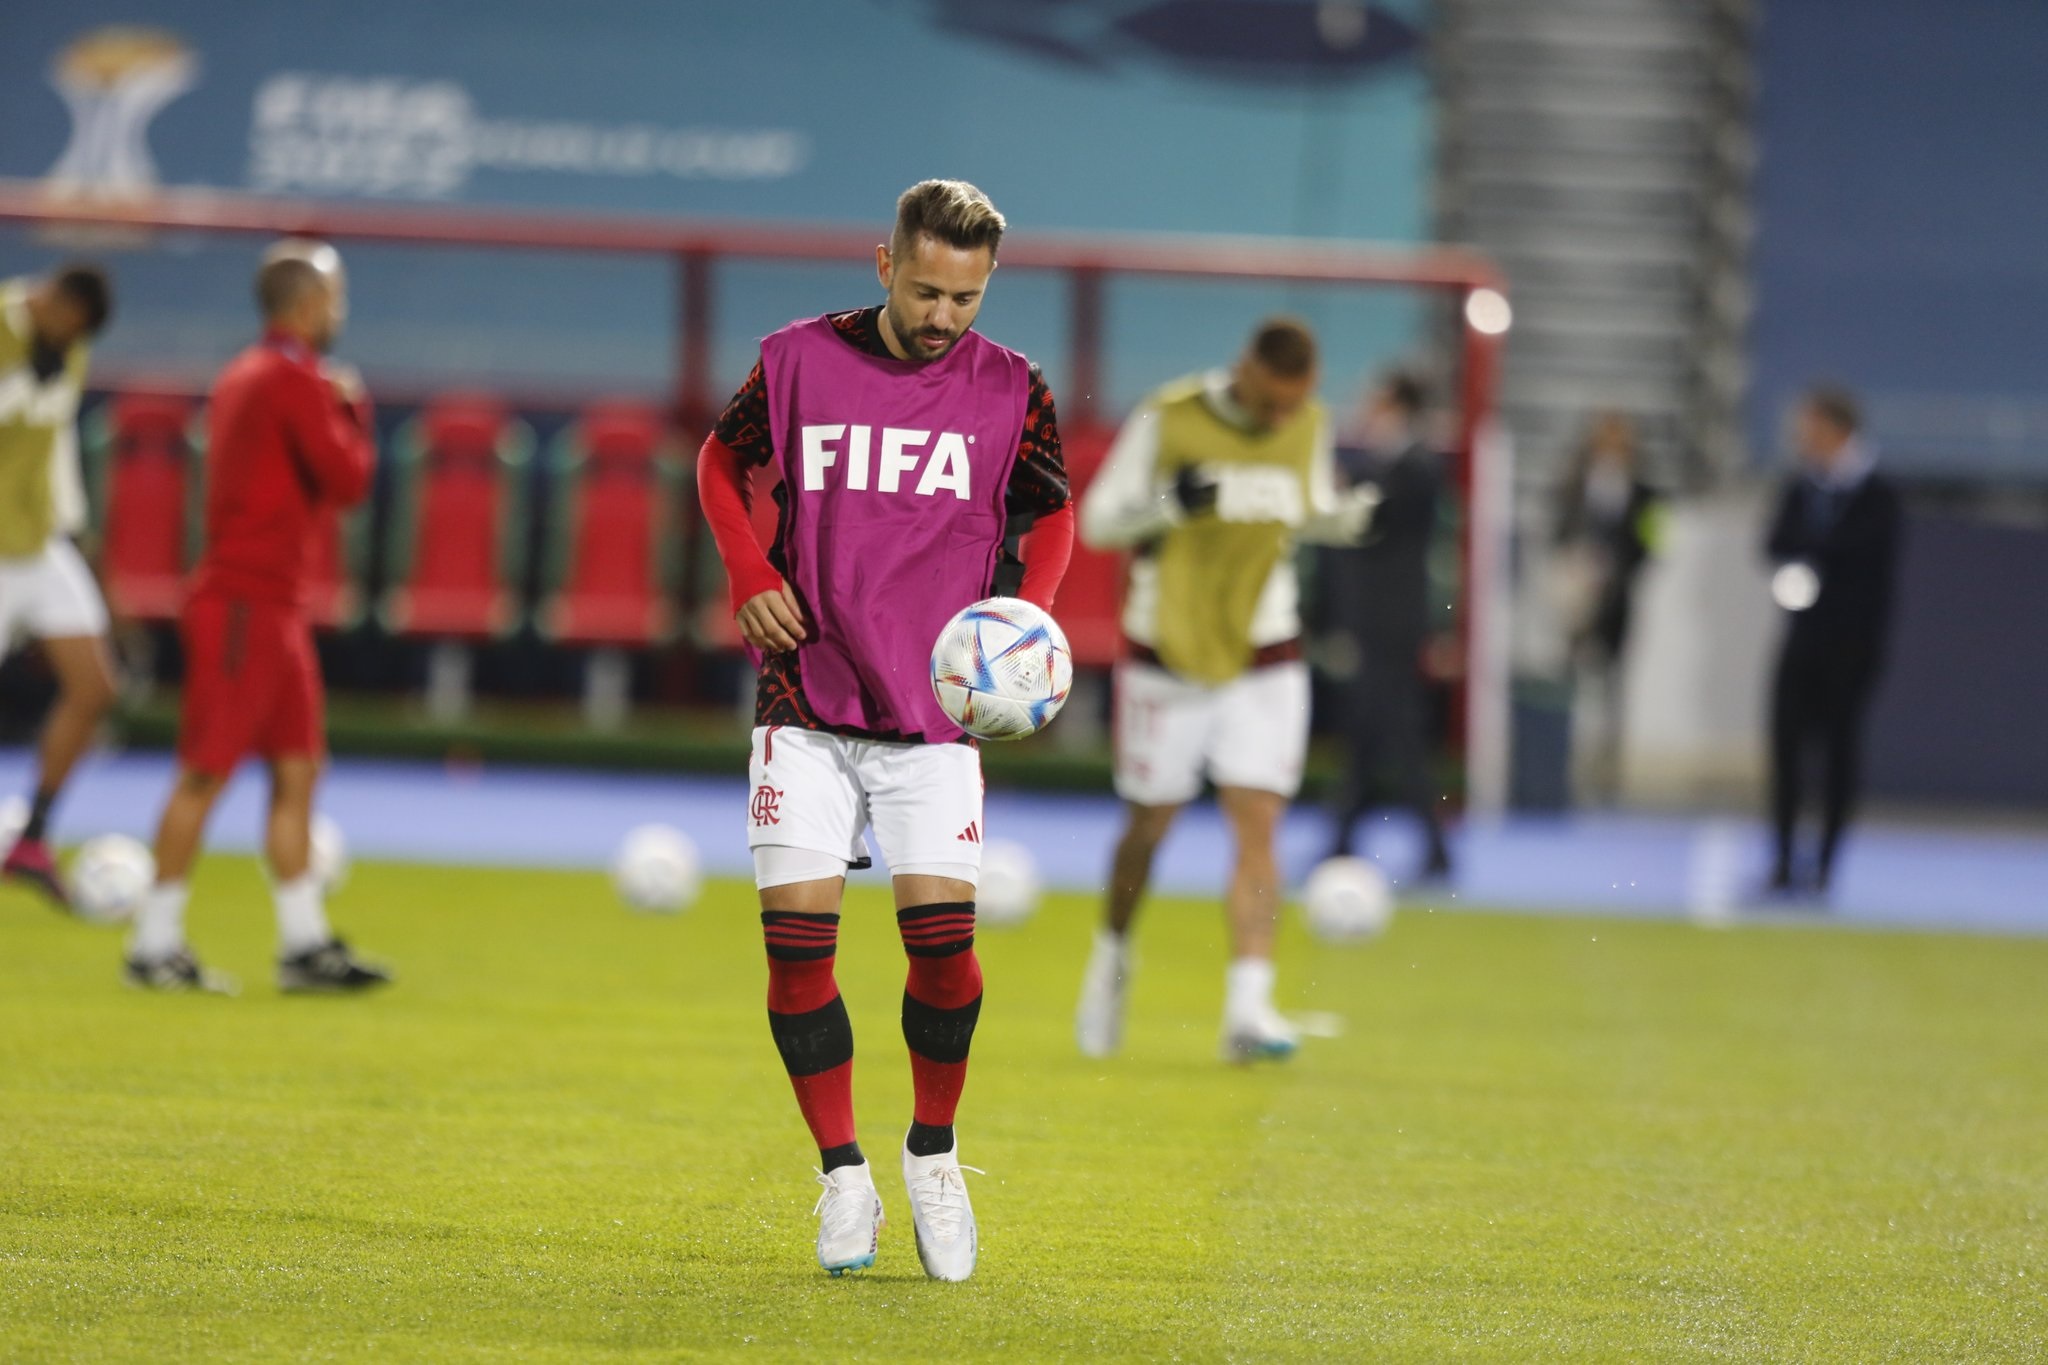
(823, 793)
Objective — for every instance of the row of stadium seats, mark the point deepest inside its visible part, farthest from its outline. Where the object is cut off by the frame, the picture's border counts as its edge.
(454, 549)
(455, 545)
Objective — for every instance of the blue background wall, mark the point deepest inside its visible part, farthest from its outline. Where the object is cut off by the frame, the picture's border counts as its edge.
(1902, 194)
(1116, 114)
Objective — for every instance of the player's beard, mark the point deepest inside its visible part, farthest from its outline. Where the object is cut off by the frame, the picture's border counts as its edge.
(911, 338)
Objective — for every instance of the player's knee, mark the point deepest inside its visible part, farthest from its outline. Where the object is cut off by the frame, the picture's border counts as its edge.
(937, 929)
(1255, 824)
(85, 680)
(292, 782)
(1147, 825)
(96, 691)
(200, 785)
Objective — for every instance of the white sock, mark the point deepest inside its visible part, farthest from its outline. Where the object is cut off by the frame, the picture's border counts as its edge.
(301, 919)
(1248, 987)
(159, 923)
(1109, 943)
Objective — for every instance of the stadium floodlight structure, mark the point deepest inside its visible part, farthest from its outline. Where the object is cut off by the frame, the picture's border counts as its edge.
(1480, 453)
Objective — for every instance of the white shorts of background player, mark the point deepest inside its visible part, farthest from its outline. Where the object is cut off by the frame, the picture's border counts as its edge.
(812, 797)
(49, 596)
(1170, 733)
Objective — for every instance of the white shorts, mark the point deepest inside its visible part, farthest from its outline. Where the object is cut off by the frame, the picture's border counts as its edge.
(813, 796)
(49, 596)
(1250, 732)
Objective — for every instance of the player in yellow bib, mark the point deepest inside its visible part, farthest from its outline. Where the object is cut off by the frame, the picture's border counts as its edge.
(1210, 484)
(46, 591)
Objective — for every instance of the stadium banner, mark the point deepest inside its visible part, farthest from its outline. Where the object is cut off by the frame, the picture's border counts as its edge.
(1274, 117)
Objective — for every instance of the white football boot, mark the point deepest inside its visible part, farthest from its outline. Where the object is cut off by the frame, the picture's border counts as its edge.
(1099, 1019)
(1261, 1034)
(849, 1219)
(941, 1214)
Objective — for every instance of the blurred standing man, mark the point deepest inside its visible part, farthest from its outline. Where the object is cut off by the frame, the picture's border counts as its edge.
(288, 444)
(46, 590)
(1606, 528)
(1377, 600)
(1211, 482)
(1835, 545)
(905, 440)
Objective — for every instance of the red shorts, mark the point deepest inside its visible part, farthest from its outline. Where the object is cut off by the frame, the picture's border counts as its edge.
(252, 685)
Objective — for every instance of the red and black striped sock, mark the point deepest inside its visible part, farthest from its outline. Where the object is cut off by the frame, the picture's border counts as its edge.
(941, 1002)
(812, 1032)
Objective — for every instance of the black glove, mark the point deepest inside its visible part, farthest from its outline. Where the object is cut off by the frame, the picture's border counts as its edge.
(46, 360)
(1194, 489)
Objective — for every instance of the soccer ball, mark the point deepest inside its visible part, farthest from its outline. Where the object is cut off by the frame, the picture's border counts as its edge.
(657, 869)
(329, 854)
(1001, 669)
(1008, 891)
(110, 876)
(1348, 898)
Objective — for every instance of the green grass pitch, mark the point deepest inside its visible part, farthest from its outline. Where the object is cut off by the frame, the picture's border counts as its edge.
(564, 1136)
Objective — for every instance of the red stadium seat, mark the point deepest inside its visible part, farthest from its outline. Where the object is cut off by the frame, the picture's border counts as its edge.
(1090, 604)
(457, 543)
(142, 455)
(611, 543)
(334, 602)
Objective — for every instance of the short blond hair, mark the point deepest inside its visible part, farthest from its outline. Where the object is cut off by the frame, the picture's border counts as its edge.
(950, 211)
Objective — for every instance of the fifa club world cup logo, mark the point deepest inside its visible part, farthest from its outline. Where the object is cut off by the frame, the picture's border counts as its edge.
(114, 80)
(767, 807)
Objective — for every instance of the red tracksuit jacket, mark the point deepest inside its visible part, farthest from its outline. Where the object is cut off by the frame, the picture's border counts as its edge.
(283, 451)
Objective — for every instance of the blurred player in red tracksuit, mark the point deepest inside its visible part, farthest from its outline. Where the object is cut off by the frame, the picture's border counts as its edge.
(289, 444)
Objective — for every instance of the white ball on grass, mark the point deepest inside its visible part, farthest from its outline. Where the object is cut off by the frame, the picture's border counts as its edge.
(1009, 887)
(110, 874)
(1348, 899)
(657, 869)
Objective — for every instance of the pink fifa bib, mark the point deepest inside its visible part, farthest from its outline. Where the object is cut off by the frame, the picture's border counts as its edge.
(894, 474)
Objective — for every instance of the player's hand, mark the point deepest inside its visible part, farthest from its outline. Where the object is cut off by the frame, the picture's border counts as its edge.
(1194, 489)
(772, 621)
(1355, 509)
(345, 379)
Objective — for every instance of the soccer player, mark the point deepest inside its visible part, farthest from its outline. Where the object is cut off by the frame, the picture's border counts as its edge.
(46, 591)
(288, 444)
(1211, 482)
(904, 441)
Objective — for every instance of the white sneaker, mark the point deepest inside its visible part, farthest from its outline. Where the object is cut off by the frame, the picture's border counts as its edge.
(1259, 1034)
(941, 1214)
(1099, 1020)
(849, 1219)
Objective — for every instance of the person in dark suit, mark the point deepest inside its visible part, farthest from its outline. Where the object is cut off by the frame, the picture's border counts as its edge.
(1376, 613)
(1606, 528)
(1834, 545)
